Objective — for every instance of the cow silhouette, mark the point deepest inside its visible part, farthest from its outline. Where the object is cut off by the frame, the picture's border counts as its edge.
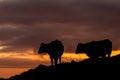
(95, 49)
(55, 50)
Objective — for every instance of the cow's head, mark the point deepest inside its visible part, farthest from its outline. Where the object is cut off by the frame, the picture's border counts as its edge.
(80, 48)
(43, 48)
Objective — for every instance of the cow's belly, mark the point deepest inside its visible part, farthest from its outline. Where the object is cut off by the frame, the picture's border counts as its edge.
(95, 54)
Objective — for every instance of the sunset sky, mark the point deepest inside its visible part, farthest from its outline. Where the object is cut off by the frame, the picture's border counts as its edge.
(25, 24)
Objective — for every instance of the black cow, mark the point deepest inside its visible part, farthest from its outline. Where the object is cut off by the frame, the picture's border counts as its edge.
(55, 50)
(94, 49)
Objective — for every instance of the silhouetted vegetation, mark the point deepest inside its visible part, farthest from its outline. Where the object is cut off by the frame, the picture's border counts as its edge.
(71, 71)
(55, 50)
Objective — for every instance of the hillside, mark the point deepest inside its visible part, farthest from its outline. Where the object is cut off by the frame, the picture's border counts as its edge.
(72, 71)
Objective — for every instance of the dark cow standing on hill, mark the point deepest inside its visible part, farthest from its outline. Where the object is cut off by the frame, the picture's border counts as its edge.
(95, 49)
(55, 50)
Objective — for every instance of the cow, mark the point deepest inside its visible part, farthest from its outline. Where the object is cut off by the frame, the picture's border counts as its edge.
(95, 49)
(54, 49)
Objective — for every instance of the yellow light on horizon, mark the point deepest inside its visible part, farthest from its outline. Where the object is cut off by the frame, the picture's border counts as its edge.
(65, 56)
(115, 52)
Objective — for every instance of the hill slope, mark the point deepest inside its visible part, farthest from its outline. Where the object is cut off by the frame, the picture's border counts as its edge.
(72, 71)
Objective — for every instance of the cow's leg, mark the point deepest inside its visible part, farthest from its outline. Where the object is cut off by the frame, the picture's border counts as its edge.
(56, 60)
(103, 56)
(60, 59)
(51, 60)
(109, 55)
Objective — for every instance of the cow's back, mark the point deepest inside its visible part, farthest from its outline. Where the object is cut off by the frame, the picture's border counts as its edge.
(98, 48)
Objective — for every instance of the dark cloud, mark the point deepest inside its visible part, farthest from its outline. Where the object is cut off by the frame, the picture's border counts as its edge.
(24, 24)
(39, 11)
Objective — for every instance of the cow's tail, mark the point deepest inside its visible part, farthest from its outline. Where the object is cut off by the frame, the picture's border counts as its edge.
(110, 49)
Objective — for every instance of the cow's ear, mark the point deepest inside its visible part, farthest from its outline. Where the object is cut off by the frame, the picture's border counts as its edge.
(79, 43)
(42, 43)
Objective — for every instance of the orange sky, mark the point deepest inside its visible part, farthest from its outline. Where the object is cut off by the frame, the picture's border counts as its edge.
(34, 61)
(7, 72)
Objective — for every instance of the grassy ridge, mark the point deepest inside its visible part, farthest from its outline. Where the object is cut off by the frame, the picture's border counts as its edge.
(72, 71)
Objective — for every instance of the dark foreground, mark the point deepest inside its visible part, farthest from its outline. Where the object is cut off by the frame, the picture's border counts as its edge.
(88, 69)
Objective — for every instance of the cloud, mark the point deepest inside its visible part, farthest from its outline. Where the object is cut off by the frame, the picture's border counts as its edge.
(22, 60)
(32, 12)
(24, 24)
(18, 63)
